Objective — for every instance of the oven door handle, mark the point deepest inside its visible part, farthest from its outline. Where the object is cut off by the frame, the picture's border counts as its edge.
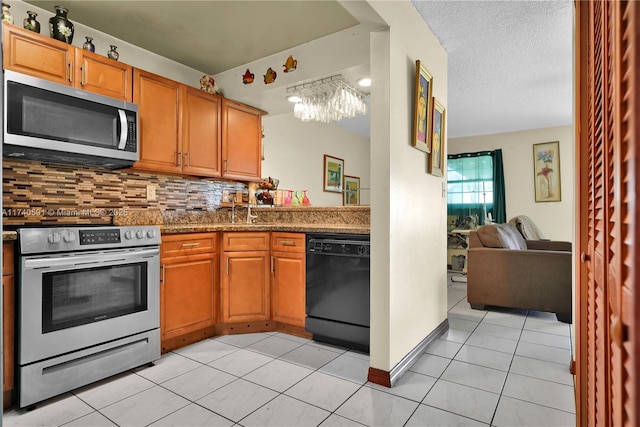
(89, 259)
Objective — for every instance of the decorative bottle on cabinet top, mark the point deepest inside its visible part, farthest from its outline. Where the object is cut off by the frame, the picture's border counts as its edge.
(60, 28)
(30, 23)
(113, 53)
(88, 45)
(305, 199)
(6, 14)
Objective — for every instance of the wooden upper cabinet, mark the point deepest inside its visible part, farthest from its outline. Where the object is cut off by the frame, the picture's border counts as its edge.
(158, 99)
(30, 53)
(99, 74)
(39, 56)
(241, 141)
(201, 132)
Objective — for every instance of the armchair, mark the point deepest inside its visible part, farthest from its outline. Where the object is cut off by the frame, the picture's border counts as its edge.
(535, 276)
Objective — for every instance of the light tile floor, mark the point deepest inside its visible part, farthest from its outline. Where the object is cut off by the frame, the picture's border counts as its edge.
(499, 368)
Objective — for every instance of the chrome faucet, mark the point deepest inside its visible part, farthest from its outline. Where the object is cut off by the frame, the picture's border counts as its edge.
(250, 218)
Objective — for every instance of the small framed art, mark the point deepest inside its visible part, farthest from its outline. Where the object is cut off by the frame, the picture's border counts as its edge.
(422, 118)
(436, 159)
(546, 171)
(351, 191)
(333, 172)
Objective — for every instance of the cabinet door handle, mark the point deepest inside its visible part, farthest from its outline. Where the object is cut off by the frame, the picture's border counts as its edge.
(70, 71)
(273, 268)
(82, 75)
(226, 165)
(180, 158)
(188, 159)
(227, 266)
(187, 245)
(287, 242)
(162, 274)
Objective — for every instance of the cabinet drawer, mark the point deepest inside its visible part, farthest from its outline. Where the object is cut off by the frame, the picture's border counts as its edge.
(287, 242)
(7, 258)
(188, 244)
(245, 241)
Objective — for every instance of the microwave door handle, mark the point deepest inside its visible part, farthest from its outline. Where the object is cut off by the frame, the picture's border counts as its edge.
(124, 130)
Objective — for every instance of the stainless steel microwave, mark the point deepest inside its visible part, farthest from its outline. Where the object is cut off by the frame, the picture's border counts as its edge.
(50, 122)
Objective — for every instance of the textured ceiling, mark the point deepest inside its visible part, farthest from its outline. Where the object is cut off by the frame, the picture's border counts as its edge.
(510, 63)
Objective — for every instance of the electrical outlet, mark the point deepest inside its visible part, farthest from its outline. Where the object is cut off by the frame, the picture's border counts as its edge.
(151, 192)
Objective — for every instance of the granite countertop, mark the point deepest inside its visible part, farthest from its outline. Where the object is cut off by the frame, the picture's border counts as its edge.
(9, 235)
(287, 227)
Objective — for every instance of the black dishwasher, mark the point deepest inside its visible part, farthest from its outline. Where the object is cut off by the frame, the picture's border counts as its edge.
(337, 285)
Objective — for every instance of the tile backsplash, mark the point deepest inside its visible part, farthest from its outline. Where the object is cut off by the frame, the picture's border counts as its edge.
(34, 192)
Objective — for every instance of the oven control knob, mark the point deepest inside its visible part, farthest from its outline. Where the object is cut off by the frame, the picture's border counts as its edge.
(139, 234)
(128, 234)
(151, 234)
(69, 237)
(54, 238)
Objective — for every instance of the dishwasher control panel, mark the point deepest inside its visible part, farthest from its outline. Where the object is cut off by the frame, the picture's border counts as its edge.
(339, 247)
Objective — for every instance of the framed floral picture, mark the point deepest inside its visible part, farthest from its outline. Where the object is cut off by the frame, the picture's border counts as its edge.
(546, 171)
(351, 191)
(423, 105)
(436, 159)
(333, 174)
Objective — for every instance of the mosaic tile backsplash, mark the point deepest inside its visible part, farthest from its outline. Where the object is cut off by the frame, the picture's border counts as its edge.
(42, 193)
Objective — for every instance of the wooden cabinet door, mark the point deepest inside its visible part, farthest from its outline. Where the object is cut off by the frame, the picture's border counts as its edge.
(608, 129)
(244, 286)
(30, 53)
(158, 99)
(201, 132)
(288, 287)
(188, 297)
(8, 332)
(241, 141)
(99, 74)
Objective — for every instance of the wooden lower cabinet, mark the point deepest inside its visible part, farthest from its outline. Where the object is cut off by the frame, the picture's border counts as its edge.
(188, 289)
(8, 313)
(288, 278)
(244, 277)
(244, 286)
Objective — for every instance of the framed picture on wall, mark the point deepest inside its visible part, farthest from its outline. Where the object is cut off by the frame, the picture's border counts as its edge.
(422, 109)
(546, 171)
(436, 159)
(351, 191)
(333, 174)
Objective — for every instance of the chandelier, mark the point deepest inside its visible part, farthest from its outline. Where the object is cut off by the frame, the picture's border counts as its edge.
(326, 100)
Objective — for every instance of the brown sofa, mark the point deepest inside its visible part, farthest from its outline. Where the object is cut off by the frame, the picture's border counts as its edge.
(537, 277)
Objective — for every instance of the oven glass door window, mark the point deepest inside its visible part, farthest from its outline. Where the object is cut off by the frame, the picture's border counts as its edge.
(77, 297)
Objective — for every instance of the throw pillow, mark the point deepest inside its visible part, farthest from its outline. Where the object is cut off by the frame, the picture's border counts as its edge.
(488, 235)
(511, 237)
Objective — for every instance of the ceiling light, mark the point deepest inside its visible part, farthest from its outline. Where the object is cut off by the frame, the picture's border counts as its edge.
(364, 82)
(327, 100)
(294, 98)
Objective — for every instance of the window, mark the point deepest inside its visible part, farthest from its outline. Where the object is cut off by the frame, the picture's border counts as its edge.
(470, 185)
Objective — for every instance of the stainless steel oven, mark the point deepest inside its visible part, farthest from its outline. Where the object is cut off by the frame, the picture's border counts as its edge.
(88, 306)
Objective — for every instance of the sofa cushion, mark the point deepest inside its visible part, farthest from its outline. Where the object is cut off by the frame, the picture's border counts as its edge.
(488, 235)
(511, 237)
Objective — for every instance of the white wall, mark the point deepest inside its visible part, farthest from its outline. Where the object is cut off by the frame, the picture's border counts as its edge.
(129, 54)
(408, 210)
(294, 153)
(554, 219)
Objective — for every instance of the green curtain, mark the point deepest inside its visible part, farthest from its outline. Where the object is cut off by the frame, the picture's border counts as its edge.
(499, 205)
